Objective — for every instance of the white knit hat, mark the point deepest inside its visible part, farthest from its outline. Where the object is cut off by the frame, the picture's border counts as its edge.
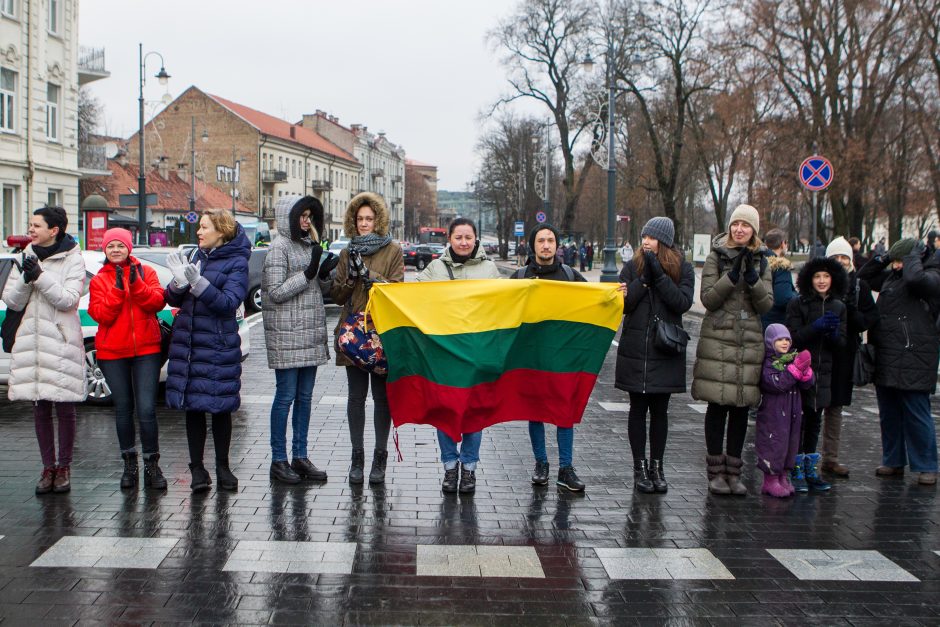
(746, 213)
(840, 246)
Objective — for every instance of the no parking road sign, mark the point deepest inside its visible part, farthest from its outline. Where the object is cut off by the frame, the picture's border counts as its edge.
(191, 216)
(816, 173)
(540, 217)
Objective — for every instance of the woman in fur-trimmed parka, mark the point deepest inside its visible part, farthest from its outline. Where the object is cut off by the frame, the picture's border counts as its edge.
(736, 290)
(371, 256)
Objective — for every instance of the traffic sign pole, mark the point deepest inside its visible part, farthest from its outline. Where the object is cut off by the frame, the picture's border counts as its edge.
(815, 175)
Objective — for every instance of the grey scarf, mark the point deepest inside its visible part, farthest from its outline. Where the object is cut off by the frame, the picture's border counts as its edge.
(369, 244)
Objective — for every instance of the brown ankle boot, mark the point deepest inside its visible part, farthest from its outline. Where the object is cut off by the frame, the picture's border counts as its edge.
(62, 483)
(46, 480)
(717, 483)
(733, 473)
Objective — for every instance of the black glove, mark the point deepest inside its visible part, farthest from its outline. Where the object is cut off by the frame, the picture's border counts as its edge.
(119, 277)
(882, 259)
(327, 266)
(654, 268)
(135, 272)
(735, 273)
(919, 249)
(751, 276)
(31, 269)
(316, 252)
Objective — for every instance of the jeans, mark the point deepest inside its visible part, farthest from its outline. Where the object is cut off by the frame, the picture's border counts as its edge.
(294, 386)
(469, 453)
(134, 382)
(907, 429)
(564, 436)
(45, 431)
(358, 380)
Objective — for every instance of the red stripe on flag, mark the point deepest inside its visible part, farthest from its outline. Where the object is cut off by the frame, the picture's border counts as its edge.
(552, 397)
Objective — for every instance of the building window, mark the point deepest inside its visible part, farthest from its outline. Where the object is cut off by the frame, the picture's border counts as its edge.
(52, 112)
(7, 99)
(8, 8)
(54, 198)
(280, 163)
(293, 168)
(8, 200)
(54, 17)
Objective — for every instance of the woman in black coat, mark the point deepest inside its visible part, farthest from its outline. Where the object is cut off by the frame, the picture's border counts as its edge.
(907, 350)
(659, 284)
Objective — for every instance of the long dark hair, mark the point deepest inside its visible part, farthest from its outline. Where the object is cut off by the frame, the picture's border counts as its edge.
(669, 258)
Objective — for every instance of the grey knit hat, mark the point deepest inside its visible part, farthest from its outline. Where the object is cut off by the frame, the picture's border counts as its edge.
(660, 229)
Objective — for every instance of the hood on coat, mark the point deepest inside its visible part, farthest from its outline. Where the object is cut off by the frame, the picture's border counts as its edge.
(773, 333)
(287, 212)
(804, 280)
(378, 206)
(778, 263)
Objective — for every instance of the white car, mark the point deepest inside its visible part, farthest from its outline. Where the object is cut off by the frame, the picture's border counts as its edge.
(98, 390)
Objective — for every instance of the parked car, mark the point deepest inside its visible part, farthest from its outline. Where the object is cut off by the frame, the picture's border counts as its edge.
(98, 391)
(419, 256)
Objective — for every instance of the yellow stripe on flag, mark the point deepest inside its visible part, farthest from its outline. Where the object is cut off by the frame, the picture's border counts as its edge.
(450, 307)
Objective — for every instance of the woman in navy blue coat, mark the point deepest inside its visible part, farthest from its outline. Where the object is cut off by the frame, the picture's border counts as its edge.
(204, 369)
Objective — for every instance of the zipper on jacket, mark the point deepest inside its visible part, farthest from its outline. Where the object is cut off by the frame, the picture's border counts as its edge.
(907, 335)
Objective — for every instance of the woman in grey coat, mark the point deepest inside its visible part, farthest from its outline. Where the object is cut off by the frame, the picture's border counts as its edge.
(295, 328)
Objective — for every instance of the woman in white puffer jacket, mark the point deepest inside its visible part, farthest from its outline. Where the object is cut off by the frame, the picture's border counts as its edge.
(47, 363)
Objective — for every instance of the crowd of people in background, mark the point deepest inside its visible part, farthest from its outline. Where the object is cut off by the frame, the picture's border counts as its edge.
(784, 353)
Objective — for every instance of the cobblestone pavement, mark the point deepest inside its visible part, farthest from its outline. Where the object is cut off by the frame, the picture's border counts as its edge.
(865, 553)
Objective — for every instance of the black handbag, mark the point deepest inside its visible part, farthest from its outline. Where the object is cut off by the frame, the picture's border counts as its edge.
(863, 370)
(11, 322)
(669, 338)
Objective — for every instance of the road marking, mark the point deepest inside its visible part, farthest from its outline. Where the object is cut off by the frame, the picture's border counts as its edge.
(615, 406)
(662, 564)
(478, 561)
(839, 565)
(699, 408)
(106, 552)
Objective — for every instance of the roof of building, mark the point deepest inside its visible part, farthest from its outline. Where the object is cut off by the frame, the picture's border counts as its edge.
(419, 164)
(276, 127)
(172, 192)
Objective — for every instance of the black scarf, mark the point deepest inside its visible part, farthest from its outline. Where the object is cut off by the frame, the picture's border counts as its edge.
(44, 252)
(540, 270)
(464, 258)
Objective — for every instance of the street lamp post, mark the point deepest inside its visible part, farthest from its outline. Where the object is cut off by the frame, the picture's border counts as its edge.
(192, 171)
(234, 169)
(162, 76)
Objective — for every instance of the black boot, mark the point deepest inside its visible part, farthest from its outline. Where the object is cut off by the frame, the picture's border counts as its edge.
(379, 459)
(201, 480)
(568, 478)
(153, 476)
(356, 474)
(449, 484)
(129, 478)
(305, 468)
(468, 481)
(281, 471)
(540, 476)
(657, 477)
(227, 481)
(641, 477)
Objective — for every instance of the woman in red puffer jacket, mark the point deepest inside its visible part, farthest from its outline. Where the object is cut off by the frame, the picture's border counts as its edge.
(125, 298)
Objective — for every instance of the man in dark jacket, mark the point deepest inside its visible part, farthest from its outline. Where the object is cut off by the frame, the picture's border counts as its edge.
(543, 242)
(907, 351)
(782, 276)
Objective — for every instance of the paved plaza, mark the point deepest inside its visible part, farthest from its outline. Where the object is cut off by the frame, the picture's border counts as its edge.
(866, 553)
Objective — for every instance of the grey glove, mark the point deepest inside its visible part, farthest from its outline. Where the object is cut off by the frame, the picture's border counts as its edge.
(192, 272)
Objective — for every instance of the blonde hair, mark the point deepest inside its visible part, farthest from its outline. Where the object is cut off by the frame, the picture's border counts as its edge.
(223, 222)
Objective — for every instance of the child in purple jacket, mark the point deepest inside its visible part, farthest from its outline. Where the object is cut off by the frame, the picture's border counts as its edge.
(784, 373)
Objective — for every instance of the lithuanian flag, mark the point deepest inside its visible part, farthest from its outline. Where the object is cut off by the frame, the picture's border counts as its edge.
(464, 355)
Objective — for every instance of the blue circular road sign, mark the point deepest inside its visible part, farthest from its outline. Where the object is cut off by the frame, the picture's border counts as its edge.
(816, 173)
(540, 217)
(191, 216)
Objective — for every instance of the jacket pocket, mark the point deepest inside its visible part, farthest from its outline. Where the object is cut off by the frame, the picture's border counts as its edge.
(722, 320)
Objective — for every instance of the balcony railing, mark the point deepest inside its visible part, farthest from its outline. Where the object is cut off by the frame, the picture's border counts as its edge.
(395, 178)
(92, 157)
(273, 176)
(91, 66)
(321, 185)
(378, 173)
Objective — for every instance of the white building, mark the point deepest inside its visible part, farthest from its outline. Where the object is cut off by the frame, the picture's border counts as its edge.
(41, 70)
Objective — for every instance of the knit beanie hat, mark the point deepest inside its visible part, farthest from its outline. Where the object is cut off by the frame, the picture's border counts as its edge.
(773, 333)
(661, 229)
(841, 246)
(746, 213)
(535, 231)
(119, 235)
(901, 248)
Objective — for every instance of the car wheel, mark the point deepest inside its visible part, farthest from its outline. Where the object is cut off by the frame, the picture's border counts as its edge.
(420, 265)
(98, 391)
(254, 299)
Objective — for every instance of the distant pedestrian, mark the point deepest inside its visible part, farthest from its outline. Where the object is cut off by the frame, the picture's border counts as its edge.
(817, 322)
(779, 416)
(626, 252)
(736, 290)
(660, 286)
(781, 271)
(858, 259)
(880, 248)
(590, 256)
(582, 255)
(125, 297)
(542, 265)
(372, 255)
(521, 254)
(204, 369)
(906, 355)
(292, 282)
(47, 363)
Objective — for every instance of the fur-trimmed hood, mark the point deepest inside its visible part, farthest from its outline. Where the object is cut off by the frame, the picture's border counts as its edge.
(804, 280)
(378, 206)
(778, 263)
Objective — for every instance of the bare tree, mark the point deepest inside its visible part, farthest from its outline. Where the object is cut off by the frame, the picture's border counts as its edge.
(89, 115)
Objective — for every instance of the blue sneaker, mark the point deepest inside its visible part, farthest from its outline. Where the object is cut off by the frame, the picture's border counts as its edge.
(813, 480)
(797, 480)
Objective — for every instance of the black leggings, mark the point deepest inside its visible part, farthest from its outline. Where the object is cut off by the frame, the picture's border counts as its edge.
(196, 435)
(657, 405)
(358, 380)
(715, 417)
(812, 423)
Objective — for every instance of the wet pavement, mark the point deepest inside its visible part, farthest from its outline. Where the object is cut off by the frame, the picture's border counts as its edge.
(404, 553)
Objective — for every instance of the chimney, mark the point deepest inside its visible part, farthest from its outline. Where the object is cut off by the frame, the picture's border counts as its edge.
(182, 171)
(121, 158)
(320, 112)
(293, 132)
(163, 168)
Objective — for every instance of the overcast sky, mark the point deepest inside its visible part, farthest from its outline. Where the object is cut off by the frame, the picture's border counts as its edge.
(421, 70)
